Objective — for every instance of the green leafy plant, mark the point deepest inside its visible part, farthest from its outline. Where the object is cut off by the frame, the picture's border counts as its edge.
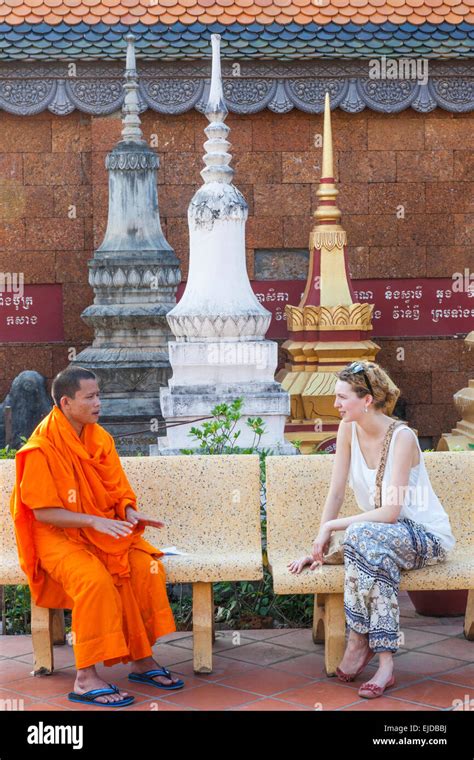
(8, 453)
(219, 435)
(16, 609)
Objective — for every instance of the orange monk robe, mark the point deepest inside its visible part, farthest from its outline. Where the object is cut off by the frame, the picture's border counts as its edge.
(114, 586)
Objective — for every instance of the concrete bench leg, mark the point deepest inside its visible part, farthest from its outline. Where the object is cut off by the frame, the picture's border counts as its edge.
(469, 617)
(212, 613)
(42, 636)
(203, 616)
(318, 618)
(59, 636)
(335, 632)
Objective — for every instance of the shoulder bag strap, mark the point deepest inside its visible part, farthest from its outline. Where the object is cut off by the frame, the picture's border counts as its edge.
(383, 461)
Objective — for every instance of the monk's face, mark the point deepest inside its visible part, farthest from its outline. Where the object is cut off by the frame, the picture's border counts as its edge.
(85, 406)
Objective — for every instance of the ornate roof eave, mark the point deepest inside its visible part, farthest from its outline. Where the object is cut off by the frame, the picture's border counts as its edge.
(27, 88)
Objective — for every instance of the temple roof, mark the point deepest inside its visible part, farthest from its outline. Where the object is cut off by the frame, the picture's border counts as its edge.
(111, 12)
(264, 29)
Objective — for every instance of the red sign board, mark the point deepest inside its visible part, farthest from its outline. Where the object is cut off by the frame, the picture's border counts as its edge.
(31, 314)
(423, 307)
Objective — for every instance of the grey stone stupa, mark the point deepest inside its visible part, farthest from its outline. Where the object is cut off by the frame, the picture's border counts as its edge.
(135, 274)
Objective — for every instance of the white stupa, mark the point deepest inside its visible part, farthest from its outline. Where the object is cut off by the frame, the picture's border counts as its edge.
(220, 352)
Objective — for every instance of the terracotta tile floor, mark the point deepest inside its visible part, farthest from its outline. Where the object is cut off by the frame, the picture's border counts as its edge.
(277, 669)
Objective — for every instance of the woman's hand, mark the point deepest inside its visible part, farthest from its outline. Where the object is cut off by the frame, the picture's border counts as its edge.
(297, 565)
(140, 518)
(320, 546)
(321, 542)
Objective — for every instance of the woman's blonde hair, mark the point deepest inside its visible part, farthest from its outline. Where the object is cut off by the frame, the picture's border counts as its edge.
(385, 392)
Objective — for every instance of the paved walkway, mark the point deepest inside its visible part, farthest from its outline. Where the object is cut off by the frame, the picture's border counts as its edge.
(278, 669)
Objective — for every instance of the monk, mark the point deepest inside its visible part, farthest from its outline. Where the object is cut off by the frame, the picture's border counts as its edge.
(79, 538)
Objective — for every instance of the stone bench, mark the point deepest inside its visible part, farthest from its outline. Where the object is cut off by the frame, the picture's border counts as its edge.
(296, 491)
(211, 508)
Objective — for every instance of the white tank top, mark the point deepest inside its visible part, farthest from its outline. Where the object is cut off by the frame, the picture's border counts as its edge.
(420, 503)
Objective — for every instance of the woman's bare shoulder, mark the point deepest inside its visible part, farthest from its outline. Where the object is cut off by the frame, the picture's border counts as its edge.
(344, 431)
(407, 442)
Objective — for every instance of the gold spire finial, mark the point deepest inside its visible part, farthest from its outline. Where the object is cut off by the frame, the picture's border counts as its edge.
(327, 212)
(327, 166)
(327, 239)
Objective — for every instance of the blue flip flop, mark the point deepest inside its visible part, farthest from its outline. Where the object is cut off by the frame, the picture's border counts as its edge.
(147, 677)
(91, 696)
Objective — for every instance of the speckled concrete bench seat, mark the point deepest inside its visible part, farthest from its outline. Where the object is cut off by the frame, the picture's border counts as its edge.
(296, 491)
(211, 508)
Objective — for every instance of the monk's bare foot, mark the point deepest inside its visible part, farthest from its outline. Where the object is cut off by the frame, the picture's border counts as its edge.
(87, 679)
(148, 663)
(356, 652)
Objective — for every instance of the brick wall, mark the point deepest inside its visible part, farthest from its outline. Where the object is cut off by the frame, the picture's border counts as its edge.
(423, 161)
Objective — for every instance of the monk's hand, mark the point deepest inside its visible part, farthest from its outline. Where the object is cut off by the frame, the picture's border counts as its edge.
(131, 515)
(115, 528)
(139, 518)
(153, 522)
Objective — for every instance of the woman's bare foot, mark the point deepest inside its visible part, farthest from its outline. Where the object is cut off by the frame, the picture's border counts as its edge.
(356, 652)
(385, 670)
(87, 679)
(148, 663)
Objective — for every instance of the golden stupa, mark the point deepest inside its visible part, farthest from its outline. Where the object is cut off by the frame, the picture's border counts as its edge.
(328, 329)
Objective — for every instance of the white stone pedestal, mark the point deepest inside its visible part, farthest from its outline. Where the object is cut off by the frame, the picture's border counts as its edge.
(206, 374)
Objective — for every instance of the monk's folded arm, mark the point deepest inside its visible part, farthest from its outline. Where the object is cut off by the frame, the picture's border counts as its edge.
(63, 518)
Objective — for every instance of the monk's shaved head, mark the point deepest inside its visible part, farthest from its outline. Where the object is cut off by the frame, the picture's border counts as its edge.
(68, 382)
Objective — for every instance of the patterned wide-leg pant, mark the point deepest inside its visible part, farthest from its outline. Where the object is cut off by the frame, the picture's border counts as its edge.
(374, 554)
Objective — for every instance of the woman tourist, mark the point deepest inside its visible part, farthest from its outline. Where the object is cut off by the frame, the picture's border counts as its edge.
(402, 524)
